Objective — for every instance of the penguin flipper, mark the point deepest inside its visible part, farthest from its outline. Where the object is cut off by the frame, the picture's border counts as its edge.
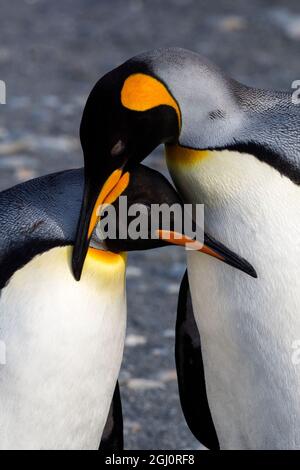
(112, 437)
(190, 371)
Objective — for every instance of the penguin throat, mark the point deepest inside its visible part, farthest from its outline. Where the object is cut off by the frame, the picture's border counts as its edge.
(178, 155)
(105, 255)
(98, 250)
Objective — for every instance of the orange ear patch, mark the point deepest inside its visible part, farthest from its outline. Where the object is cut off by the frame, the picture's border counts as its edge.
(141, 92)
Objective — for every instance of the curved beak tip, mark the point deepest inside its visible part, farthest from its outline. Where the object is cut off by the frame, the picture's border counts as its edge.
(252, 272)
(76, 268)
(244, 266)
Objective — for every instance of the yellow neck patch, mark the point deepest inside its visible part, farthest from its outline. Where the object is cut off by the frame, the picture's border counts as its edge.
(106, 257)
(141, 92)
(177, 155)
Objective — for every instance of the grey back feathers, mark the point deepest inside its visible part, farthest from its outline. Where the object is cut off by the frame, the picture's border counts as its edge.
(272, 129)
(36, 216)
(218, 112)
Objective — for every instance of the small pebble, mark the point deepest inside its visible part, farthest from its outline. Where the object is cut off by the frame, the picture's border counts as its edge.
(169, 333)
(133, 271)
(132, 426)
(24, 174)
(172, 288)
(11, 148)
(160, 352)
(232, 23)
(135, 340)
(144, 384)
(168, 375)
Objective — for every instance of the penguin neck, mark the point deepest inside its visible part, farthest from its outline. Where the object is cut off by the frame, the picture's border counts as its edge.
(248, 327)
(271, 129)
(248, 205)
(64, 343)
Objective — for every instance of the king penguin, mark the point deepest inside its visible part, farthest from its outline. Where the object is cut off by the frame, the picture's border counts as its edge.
(235, 149)
(64, 340)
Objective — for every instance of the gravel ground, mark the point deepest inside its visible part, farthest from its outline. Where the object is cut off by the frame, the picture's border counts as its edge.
(51, 53)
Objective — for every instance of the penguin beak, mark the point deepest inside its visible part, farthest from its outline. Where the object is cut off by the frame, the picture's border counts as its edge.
(91, 209)
(210, 247)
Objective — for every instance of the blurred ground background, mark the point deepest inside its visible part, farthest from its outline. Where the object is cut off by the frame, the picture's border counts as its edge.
(51, 54)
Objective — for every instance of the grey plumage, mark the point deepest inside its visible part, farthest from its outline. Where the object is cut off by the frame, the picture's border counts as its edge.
(36, 216)
(219, 112)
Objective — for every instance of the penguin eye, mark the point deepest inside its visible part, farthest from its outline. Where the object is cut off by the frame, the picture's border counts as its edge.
(118, 148)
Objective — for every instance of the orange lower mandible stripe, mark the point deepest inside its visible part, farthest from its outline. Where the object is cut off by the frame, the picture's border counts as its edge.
(118, 189)
(182, 240)
(114, 186)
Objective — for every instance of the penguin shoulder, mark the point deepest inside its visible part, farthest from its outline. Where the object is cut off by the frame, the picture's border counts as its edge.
(36, 216)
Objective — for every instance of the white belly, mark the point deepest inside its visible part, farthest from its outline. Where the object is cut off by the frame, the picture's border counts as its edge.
(248, 327)
(64, 343)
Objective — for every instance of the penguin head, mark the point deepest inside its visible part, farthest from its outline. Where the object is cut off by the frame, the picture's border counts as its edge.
(148, 189)
(170, 96)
